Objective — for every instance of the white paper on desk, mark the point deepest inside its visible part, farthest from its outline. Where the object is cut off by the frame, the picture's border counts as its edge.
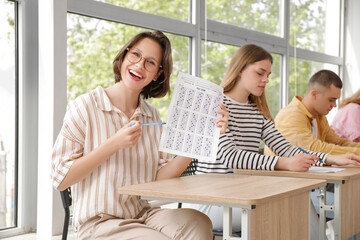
(190, 128)
(325, 169)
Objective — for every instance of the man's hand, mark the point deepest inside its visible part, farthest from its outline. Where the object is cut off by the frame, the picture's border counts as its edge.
(346, 159)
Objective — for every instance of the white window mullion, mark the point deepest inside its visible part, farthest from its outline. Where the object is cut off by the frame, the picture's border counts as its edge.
(52, 106)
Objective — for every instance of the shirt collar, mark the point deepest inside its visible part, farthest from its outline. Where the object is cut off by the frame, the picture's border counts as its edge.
(103, 103)
(297, 100)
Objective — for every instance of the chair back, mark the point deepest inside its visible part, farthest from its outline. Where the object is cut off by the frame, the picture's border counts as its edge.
(66, 198)
(66, 201)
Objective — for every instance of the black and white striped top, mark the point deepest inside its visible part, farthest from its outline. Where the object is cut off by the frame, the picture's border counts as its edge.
(239, 146)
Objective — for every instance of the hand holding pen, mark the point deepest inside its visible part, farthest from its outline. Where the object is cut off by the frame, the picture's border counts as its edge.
(127, 136)
(304, 151)
(148, 124)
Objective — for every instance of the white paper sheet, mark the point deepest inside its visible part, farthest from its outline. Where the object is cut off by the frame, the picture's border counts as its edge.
(325, 169)
(190, 128)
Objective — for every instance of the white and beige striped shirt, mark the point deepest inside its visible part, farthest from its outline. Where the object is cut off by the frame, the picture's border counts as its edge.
(89, 121)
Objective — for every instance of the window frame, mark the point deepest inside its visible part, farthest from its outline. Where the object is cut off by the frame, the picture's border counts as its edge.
(215, 32)
(26, 114)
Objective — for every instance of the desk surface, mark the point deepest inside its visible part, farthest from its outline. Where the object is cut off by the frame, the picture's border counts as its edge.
(347, 174)
(224, 188)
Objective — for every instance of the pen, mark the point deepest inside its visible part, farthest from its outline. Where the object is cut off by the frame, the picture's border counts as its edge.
(149, 124)
(304, 151)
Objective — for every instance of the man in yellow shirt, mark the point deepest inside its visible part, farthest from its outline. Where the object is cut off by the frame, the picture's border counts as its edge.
(303, 122)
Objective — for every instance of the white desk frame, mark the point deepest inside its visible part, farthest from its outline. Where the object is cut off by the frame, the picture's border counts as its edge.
(336, 208)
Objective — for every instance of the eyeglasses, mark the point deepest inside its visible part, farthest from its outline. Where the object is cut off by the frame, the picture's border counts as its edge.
(151, 65)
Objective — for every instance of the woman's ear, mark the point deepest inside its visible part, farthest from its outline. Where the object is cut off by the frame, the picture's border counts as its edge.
(157, 75)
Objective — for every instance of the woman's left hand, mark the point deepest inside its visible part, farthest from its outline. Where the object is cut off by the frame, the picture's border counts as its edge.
(222, 122)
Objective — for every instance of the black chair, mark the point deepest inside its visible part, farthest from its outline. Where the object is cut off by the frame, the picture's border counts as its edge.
(190, 170)
(66, 201)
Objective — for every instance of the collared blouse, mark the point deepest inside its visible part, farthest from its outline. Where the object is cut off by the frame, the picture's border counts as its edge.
(89, 121)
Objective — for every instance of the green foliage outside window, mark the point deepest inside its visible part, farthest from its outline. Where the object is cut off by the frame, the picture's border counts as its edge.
(262, 15)
(178, 9)
(93, 43)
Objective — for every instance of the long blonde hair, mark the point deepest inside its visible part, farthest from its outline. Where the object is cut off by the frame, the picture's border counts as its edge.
(355, 98)
(245, 56)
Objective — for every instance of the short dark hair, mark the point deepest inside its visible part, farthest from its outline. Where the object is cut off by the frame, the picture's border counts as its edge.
(324, 78)
(161, 86)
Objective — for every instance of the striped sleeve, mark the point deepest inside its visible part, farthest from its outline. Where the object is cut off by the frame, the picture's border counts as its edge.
(235, 158)
(69, 144)
(280, 146)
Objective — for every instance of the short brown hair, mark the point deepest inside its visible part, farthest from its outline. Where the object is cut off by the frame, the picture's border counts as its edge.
(324, 78)
(245, 56)
(161, 86)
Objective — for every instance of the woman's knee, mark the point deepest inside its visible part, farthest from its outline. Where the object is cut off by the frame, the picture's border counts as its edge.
(197, 225)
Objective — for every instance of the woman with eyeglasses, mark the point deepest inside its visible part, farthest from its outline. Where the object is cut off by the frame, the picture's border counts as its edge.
(102, 147)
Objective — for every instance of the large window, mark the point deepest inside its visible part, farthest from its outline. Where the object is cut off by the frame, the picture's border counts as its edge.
(178, 9)
(314, 28)
(315, 25)
(262, 16)
(8, 119)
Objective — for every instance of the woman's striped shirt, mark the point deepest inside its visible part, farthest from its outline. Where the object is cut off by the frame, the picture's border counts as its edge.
(239, 146)
(89, 121)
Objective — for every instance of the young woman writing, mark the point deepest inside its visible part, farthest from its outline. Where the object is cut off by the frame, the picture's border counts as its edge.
(250, 122)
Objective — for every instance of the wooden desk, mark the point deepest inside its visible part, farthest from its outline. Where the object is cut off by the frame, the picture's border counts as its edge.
(346, 197)
(268, 210)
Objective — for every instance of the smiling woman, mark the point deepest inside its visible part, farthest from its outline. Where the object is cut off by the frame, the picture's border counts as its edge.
(104, 143)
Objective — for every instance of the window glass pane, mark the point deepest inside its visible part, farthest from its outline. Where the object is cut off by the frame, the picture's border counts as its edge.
(299, 77)
(262, 16)
(273, 90)
(7, 108)
(315, 25)
(92, 47)
(178, 9)
(218, 56)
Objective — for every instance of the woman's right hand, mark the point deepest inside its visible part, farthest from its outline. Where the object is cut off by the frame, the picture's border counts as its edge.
(128, 135)
(298, 163)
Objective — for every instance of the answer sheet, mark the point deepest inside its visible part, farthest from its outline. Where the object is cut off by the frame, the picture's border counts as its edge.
(325, 169)
(190, 128)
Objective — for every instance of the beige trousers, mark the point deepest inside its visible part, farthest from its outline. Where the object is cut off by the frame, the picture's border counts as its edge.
(155, 223)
